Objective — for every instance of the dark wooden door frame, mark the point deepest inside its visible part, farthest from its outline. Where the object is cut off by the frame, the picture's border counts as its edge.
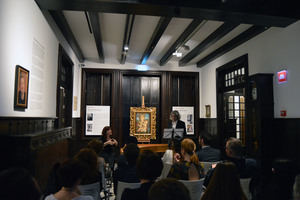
(197, 101)
(63, 57)
(114, 96)
(220, 89)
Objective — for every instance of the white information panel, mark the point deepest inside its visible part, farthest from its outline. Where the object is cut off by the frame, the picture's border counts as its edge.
(97, 117)
(187, 115)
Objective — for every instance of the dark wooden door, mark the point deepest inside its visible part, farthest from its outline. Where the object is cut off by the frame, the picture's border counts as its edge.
(64, 90)
(133, 88)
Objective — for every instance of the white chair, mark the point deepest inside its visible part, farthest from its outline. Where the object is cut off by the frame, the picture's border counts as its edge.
(165, 171)
(194, 187)
(123, 185)
(168, 156)
(245, 183)
(91, 189)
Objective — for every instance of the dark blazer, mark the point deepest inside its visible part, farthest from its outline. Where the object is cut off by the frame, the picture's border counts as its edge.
(180, 124)
(209, 154)
(137, 194)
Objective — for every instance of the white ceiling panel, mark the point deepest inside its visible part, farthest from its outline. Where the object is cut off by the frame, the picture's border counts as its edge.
(142, 31)
(112, 31)
(235, 32)
(171, 34)
(79, 26)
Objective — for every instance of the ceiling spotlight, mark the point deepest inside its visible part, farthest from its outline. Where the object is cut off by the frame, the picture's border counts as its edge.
(177, 54)
(126, 48)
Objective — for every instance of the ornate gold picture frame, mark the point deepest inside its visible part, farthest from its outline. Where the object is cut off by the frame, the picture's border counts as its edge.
(143, 123)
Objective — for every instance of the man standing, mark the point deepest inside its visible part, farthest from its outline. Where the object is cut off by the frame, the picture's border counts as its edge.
(176, 123)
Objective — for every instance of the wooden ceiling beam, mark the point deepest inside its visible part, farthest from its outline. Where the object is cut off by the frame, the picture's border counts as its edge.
(264, 13)
(94, 20)
(159, 30)
(218, 34)
(192, 27)
(66, 31)
(235, 42)
(127, 36)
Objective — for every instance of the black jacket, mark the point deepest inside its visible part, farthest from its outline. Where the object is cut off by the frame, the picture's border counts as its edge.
(137, 194)
(209, 154)
(180, 124)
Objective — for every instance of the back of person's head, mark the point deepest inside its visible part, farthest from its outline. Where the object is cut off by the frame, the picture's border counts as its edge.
(131, 153)
(17, 183)
(131, 140)
(96, 145)
(168, 189)
(296, 188)
(70, 172)
(234, 148)
(88, 158)
(149, 165)
(224, 184)
(205, 137)
(189, 147)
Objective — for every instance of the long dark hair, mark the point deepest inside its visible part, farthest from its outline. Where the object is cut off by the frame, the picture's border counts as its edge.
(104, 132)
(224, 184)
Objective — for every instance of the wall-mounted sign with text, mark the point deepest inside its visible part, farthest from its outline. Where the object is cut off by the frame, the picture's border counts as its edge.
(97, 117)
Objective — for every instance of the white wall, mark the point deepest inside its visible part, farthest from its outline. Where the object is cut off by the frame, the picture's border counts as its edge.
(269, 52)
(21, 21)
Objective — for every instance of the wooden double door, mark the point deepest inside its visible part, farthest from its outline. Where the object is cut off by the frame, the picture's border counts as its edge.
(122, 89)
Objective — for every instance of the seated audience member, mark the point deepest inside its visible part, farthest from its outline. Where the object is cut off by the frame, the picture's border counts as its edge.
(53, 185)
(129, 140)
(188, 167)
(70, 174)
(88, 158)
(224, 184)
(169, 153)
(97, 146)
(168, 189)
(17, 183)
(234, 153)
(149, 167)
(281, 182)
(127, 172)
(207, 153)
(296, 188)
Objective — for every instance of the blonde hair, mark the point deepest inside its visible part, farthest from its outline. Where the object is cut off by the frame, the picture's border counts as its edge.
(189, 147)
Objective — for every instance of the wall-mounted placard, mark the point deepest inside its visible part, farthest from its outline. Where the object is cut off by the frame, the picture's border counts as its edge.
(97, 117)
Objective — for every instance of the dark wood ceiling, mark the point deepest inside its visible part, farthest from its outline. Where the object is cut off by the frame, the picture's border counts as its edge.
(261, 14)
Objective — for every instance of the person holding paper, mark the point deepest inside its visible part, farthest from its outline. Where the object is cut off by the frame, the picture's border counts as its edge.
(110, 145)
(176, 123)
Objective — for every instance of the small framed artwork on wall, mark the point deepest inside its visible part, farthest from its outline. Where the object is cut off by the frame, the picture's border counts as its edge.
(207, 111)
(21, 87)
